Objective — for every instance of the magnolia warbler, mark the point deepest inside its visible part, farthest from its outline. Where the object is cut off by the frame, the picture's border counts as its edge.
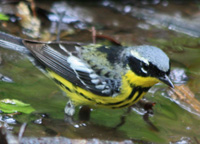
(95, 75)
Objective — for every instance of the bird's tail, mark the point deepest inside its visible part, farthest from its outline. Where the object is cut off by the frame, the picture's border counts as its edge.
(12, 42)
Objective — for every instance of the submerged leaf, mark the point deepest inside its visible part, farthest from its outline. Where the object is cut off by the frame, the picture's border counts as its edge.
(13, 106)
(4, 17)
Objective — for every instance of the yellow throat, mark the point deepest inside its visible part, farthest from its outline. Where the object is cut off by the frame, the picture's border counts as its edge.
(139, 81)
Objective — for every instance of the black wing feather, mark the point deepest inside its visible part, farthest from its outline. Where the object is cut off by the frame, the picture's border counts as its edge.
(57, 62)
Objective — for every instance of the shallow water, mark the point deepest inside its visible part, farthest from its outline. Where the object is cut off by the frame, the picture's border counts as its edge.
(174, 123)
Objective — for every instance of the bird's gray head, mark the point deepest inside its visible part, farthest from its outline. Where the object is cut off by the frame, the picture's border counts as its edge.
(149, 61)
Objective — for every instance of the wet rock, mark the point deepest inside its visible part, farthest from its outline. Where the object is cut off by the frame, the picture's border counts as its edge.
(175, 22)
(62, 140)
(5, 79)
(178, 76)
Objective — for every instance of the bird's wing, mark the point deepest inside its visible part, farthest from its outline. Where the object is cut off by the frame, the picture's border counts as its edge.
(58, 58)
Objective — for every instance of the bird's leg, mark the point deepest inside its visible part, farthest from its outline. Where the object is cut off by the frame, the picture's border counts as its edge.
(148, 107)
(69, 112)
(69, 108)
(84, 113)
(123, 118)
(146, 119)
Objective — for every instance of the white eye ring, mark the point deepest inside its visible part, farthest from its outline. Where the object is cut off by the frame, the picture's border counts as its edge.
(144, 71)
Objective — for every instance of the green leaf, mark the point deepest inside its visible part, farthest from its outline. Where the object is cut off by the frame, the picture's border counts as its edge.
(4, 17)
(13, 105)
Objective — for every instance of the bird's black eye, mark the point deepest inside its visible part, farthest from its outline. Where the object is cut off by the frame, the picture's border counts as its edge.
(144, 68)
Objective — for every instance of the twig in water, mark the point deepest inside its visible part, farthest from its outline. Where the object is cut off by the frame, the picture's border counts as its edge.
(21, 131)
(112, 40)
(94, 33)
(33, 8)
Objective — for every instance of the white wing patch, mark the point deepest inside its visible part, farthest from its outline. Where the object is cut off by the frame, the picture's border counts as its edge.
(77, 64)
(93, 76)
(95, 81)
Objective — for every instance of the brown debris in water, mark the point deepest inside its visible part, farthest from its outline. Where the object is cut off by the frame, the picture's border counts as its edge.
(184, 94)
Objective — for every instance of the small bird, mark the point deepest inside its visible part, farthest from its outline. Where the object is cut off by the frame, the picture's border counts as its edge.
(96, 75)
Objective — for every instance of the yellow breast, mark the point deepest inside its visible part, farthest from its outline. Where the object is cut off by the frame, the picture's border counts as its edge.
(128, 95)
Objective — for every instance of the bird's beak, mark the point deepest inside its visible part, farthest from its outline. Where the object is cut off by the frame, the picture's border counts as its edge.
(165, 79)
